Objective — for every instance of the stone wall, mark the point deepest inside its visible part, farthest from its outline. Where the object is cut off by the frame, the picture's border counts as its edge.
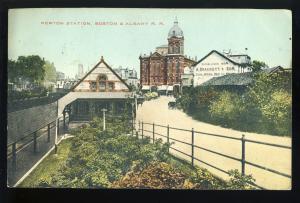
(22, 122)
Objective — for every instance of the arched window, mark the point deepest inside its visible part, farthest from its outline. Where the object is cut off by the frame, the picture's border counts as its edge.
(102, 79)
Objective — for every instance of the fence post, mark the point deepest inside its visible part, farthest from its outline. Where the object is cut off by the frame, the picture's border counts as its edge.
(56, 133)
(48, 130)
(192, 146)
(58, 126)
(243, 155)
(64, 114)
(35, 142)
(153, 133)
(14, 157)
(168, 141)
(132, 126)
(142, 129)
(139, 126)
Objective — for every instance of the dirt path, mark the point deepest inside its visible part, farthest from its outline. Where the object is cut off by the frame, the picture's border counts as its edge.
(276, 158)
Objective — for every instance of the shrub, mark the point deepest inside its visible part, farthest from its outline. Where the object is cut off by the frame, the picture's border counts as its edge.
(158, 175)
(239, 181)
(98, 158)
(278, 111)
(227, 108)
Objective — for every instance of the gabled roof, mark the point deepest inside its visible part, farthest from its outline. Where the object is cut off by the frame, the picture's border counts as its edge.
(101, 61)
(214, 51)
(163, 46)
(155, 54)
(273, 70)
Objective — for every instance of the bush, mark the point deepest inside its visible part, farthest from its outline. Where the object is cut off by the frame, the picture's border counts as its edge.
(279, 111)
(227, 108)
(99, 158)
(157, 175)
(262, 107)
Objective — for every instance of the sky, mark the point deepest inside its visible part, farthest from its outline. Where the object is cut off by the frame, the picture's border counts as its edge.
(83, 35)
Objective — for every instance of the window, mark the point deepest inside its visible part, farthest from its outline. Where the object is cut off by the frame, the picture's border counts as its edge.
(102, 82)
(110, 85)
(93, 86)
(102, 77)
(102, 85)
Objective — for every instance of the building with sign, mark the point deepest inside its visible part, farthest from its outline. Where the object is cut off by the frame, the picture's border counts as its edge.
(215, 64)
(165, 66)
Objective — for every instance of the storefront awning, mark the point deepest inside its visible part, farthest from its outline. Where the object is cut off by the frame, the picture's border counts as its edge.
(170, 88)
(146, 87)
(162, 87)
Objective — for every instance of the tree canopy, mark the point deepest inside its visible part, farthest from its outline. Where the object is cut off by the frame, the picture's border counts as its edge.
(26, 68)
(50, 72)
(258, 65)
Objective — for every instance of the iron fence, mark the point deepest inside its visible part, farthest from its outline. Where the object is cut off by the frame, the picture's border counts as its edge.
(192, 132)
(25, 152)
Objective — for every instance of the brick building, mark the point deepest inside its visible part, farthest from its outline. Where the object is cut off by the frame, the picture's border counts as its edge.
(165, 66)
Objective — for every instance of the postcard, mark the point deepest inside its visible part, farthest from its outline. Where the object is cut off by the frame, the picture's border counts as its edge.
(149, 98)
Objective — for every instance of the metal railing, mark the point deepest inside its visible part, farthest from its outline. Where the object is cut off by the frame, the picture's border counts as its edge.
(243, 141)
(30, 148)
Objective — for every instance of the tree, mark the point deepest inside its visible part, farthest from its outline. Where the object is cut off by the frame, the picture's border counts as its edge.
(50, 71)
(258, 65)
(31, 68)
(271, 94)
(12, 71)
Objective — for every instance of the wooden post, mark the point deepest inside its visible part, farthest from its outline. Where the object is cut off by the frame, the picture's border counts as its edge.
(58, 126)
(48, 130)
(104, 110)
(139, 126)
(132, 126)
(153, 134)
(64, 114)
(192, 146)
(56, 133)
(142, 130)
(168, 140)
(243, 155)
(14, 157)
(35, 142)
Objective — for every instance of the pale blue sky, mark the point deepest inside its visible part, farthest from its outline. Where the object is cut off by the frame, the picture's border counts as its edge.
(265, 33)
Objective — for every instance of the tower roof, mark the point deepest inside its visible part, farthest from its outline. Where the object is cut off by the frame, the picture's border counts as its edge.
(175, 31)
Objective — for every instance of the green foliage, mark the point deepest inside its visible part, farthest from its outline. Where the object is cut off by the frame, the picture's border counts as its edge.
(203, 179)
(50, 71)
(157, 175)
(25, 94)
(271, 95)
(99, 158)
(239, 182)
(258, 65)
(263, 107)
(27, 67)
(228, 107)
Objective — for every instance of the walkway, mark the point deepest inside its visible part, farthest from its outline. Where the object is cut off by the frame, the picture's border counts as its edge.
(279, 159)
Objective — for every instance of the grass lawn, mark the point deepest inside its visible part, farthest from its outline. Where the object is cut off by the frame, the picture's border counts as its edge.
(49, 166)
